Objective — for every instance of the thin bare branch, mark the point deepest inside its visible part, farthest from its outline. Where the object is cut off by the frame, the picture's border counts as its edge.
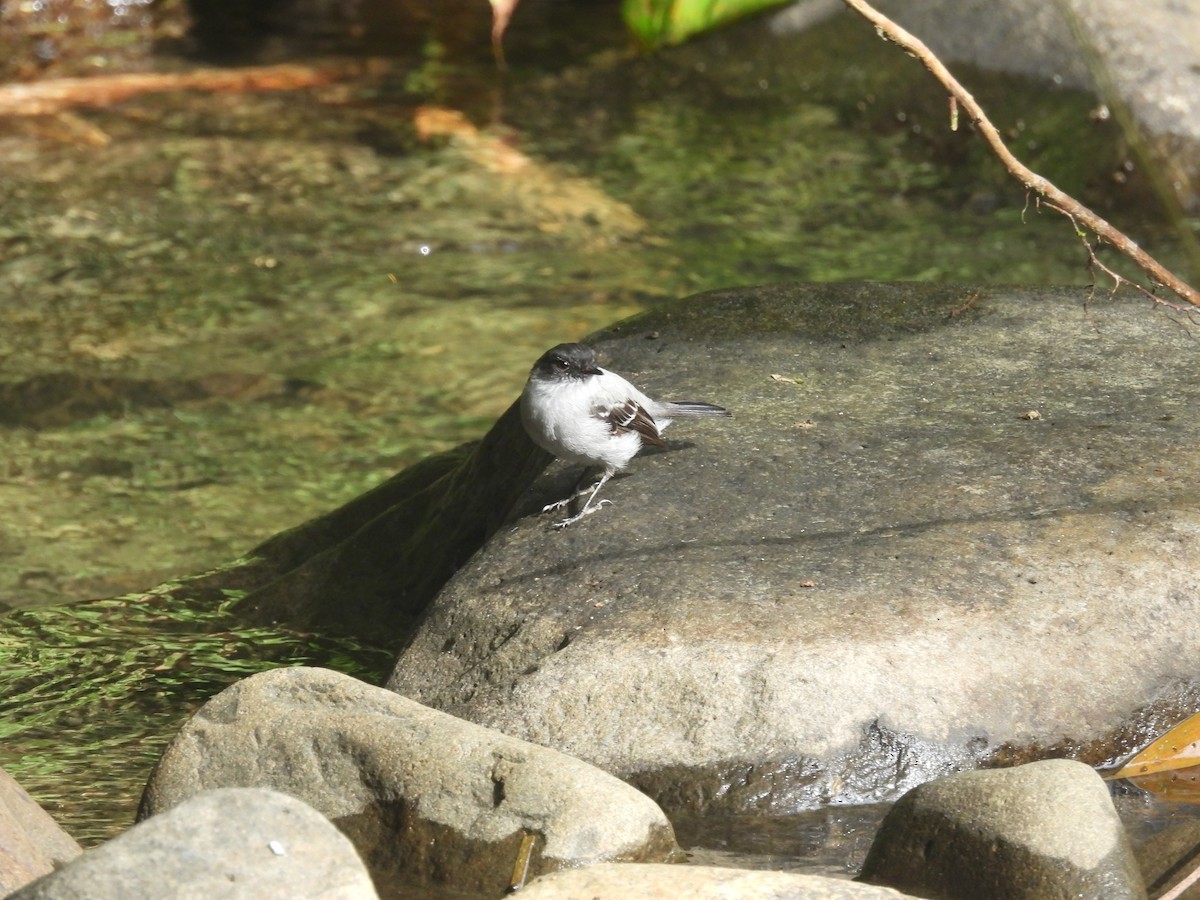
(1057, 200)
(1095, 264)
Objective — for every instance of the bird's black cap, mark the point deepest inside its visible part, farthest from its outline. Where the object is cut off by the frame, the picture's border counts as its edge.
(567, 361)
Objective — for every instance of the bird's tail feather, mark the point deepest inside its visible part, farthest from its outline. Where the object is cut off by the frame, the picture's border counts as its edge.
(694, 408)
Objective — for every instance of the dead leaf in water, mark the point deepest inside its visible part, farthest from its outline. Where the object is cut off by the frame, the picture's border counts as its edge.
(1178, 749)
(1178, 785)
(554, 199)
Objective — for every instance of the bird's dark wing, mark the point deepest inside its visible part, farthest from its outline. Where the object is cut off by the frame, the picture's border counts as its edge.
(631, 416)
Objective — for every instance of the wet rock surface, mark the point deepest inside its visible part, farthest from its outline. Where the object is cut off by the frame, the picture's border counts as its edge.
(425, 798)
(650, 882)
(913, 547)
(1047, 829)
(232, 843)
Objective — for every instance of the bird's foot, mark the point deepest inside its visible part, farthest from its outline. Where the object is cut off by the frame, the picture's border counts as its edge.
(550, 507)
(566, 501)
(586, 511)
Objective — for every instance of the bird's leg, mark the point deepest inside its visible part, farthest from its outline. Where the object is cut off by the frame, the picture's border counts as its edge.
(582, 486)
(587, 507)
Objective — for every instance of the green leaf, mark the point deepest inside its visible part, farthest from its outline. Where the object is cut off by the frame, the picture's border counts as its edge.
(659, 22)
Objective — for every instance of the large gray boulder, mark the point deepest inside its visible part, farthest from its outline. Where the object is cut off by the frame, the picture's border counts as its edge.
(1044, 830)
(31, 842)
(238, 843)
(945, 526)
(425, 798)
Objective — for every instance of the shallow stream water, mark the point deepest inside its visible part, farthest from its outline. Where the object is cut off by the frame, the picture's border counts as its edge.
(221, 314)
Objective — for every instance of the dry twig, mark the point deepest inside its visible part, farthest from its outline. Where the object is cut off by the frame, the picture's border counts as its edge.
(1054, 198)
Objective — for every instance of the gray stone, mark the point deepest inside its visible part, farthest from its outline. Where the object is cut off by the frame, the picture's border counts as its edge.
(1034, 832)
(1144, 60)
(620, 881)
(425, 797)
(918, 546)
(31, 842)
(233, 843)
(1016, 36)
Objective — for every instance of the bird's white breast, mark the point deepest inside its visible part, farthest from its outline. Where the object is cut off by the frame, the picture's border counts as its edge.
(560, 416)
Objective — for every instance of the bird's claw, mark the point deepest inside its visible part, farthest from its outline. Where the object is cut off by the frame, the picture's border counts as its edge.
(566, 501)
(586, 511)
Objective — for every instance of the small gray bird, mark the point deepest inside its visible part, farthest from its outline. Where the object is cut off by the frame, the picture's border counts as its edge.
(585, 414)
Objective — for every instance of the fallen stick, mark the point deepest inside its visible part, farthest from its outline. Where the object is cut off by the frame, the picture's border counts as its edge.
(50, 97)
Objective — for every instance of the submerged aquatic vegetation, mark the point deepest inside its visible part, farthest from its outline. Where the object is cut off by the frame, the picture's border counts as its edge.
(95, 690)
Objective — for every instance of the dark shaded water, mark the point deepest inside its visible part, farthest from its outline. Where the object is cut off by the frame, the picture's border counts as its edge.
(222, 314)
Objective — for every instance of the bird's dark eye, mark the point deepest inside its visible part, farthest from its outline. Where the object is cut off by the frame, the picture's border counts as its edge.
(561, 364)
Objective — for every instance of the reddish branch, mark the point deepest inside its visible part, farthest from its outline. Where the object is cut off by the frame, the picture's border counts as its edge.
(1054, 198)
(50, 97)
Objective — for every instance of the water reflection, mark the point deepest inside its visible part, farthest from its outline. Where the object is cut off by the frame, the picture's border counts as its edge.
(831, 841)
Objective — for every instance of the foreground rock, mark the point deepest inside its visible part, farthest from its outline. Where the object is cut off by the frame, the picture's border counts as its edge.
(657, 882)
(944, 524)
(424, 797)
(235, 843)
(31, 843)
(1047, 829)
